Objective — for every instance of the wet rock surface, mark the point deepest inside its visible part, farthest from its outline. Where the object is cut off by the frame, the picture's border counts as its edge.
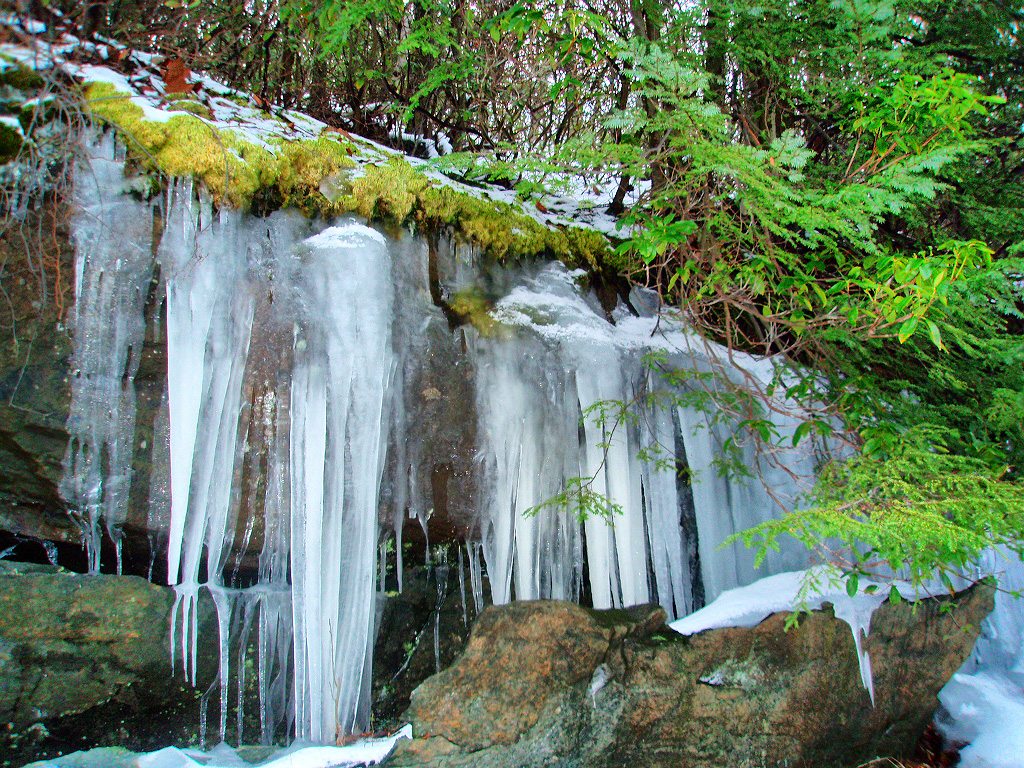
(85, 662)
(35, 352)
(550, 683)
(434, 604)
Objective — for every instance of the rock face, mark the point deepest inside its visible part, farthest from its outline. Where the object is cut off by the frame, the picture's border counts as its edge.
(551, 683)
(85, 661)
(434, 604)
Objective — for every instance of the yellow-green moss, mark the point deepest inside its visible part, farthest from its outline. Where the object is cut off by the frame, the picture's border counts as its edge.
(233, 169)
(396, 191)
(236, 171)
(388, 191)
(474, 309)
(186, 102)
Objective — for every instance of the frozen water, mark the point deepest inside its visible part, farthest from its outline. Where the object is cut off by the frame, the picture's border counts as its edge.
(360, 753)
(983, 704)
(557, 358)
(113, 272)
(279, 394)
(296, 425)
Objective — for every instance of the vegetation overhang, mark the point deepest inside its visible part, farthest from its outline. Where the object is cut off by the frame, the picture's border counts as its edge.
(252, 156)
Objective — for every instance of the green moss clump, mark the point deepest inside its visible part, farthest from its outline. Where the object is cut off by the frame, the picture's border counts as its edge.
(388, 191)
(20, 77)
(301, 166)
(396, 192)
(10, 143)
(232, 169)
(472, 308)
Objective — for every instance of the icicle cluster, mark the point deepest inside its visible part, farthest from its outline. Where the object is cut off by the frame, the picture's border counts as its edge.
(309, 400)
(113, 272)
(279, 387)
(534, 384)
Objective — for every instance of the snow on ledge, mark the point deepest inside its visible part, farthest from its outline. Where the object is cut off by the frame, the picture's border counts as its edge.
(362, 752)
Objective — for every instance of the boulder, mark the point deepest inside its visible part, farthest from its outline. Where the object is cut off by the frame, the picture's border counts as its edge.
(551, 683)
(85, 662)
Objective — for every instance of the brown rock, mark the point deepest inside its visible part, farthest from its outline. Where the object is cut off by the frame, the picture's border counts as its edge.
(494, 694)
(547, 683)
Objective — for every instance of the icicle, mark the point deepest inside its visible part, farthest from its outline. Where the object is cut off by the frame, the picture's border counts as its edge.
(476, 580)
(342, 369)
(442, 588)
(51, 552)
(224, 601)
(462, 588)
(113, 269)
(856, 612)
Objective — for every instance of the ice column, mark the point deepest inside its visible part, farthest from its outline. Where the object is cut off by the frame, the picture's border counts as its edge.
(340, 389)
(114, 268)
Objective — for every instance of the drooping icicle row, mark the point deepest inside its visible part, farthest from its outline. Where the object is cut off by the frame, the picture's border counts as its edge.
(559, 360)
(113, 271)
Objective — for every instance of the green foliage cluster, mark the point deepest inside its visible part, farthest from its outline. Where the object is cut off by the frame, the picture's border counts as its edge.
(923, 512)
(842, 191)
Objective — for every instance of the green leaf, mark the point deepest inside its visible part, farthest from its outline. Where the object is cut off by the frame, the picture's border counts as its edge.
(907, 329)
(852, 583)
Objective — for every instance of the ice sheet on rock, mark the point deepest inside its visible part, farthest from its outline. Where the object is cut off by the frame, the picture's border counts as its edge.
(113, 269)
(986, 711)
(983, 703)
(362, 752)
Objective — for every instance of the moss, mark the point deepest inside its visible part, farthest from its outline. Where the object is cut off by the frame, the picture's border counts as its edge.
(243, 174)
(396, 191)
(186, 102)
(388, 191)
(301, 166)
(20, 77)
(470, 307)
(10, 143)
(234, 170)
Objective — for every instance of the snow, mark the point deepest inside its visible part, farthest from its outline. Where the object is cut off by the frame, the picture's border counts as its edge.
(748, 606)
(362, 752)
(345, 236)
(11, 122)
(96, 74)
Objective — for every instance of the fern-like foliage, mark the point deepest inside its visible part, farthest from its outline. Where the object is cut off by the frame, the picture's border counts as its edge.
(916, 512)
